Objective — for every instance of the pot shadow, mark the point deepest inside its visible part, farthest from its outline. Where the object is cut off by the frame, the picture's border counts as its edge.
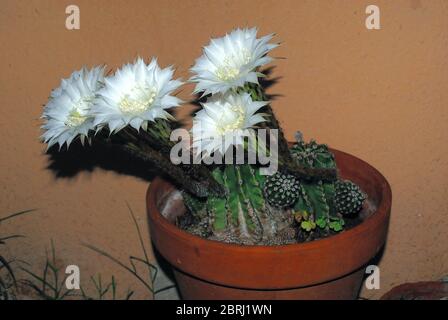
(166, 278)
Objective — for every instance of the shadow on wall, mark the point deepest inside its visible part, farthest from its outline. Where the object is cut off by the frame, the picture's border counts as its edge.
(268, 81)
(67, 163)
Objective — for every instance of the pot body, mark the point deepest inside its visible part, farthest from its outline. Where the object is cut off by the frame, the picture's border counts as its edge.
(345, 288)
(330, 268)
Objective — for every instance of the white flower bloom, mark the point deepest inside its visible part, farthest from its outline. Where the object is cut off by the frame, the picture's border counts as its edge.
(224, 121)
(231, 61)
(135, 94)
(66, 113)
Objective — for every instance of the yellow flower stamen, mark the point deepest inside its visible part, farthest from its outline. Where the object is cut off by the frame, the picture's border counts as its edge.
(75, 118)
(139, 100)
(236, 123)
(228, 71)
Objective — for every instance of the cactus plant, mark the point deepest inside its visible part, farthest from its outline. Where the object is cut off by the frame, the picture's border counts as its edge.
(281, 189)
(312, 154)
(315, 207)
(349, 197)
(232, 199)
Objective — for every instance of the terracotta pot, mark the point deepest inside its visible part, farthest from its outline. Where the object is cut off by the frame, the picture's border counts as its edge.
(330, 268)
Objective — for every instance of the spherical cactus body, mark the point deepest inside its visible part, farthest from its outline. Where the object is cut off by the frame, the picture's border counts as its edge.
(281, 190)
(348, 198)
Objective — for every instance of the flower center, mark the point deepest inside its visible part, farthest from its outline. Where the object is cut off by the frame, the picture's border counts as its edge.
(75, 118)
(138, 100)
(77, 115)
(227, 73)
(232, 64)
(232, 120)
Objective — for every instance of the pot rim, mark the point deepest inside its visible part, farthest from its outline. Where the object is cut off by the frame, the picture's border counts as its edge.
(382, 212)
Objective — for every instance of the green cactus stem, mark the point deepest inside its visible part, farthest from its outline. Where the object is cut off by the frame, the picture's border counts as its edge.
(243, 201)
(242, 212)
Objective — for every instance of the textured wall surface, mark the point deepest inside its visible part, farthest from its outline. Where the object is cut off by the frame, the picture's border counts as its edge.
(381, 95)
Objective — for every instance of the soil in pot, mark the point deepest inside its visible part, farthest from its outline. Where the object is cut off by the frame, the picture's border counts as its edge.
(290, 234)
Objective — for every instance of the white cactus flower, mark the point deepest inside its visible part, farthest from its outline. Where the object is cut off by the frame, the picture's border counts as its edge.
(231, 61)
(225, 120)
(135, 94)
(66, 115)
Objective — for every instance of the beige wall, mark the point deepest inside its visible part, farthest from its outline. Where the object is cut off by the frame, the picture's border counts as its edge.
(381, 95)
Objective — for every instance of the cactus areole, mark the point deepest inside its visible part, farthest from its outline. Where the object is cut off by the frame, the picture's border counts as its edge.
(328, 268)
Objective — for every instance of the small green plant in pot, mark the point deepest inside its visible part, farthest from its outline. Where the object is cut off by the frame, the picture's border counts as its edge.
(257, 212)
